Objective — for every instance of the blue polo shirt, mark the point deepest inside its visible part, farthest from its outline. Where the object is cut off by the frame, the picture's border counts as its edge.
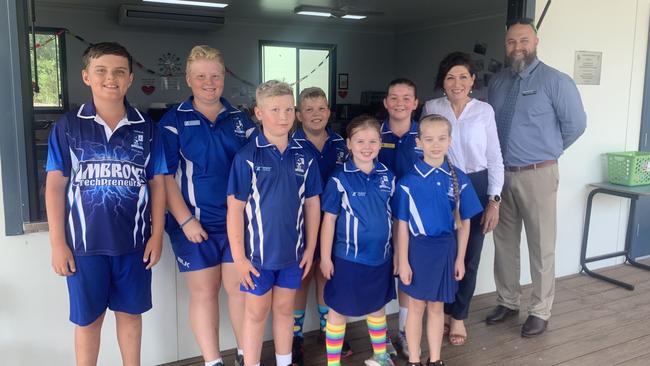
(424, 198)
(107, 197)
(362, 203)
(274, 186)
(200, 154)
(333, 155)
(399, 153)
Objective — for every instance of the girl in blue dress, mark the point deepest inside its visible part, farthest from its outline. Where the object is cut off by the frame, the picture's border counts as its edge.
(433, 204)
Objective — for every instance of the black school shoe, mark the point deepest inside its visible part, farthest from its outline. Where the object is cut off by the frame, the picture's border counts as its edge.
(346, 350)
(533, 326)
(297, 352)
(413, 364)
(437, 363)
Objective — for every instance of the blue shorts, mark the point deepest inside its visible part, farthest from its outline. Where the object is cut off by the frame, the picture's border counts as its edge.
(357, 289)
(289, 277)
(195, 256)
(120, 283)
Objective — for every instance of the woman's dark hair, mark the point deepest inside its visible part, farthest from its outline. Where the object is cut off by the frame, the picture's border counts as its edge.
(451, 60)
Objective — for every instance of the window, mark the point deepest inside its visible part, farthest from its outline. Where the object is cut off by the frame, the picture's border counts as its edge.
(302, 65)
(49, 94)
(47, 82)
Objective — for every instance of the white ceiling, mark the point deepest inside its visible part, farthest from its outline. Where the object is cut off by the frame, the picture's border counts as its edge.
(397, 14)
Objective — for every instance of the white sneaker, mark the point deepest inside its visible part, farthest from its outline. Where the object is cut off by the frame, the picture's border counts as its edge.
(380, 360)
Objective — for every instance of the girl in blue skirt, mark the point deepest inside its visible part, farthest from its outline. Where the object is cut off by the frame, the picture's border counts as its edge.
(356, 251)
(433, 205)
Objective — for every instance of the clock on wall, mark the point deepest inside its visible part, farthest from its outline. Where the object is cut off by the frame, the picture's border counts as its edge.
(169, 64)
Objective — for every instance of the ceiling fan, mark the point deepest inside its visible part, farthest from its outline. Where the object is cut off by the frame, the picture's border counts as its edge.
(343, 11)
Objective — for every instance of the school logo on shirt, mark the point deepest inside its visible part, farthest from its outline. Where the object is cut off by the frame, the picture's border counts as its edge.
(384, 184)
(239, 127)
(138, 140)
(340, 156)
(300, 165)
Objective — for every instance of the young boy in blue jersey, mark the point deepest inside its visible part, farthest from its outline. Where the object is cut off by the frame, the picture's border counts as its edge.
(398, 152)
(105, 198)
(433, 205)
(273, 211)
(356, 205)
(201, 137)
(330, 151)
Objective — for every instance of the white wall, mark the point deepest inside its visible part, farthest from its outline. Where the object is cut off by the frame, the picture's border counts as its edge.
(361, 54)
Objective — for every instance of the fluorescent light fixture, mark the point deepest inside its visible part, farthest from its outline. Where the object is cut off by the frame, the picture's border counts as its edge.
(312, 10)
(190, 2)
(352, 16)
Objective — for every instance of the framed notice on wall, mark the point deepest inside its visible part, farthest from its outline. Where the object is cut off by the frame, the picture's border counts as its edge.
(587, 67)
(343, 81)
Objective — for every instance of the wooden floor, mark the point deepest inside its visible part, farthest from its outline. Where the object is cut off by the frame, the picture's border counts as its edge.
(593, 323)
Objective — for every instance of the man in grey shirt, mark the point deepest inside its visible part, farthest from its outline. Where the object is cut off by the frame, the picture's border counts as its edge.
(539, 114)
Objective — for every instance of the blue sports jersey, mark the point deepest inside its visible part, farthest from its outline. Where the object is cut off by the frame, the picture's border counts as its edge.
(107, 196)
(274, 186)
(200, 154)
(399, 153)
(333, 155)
(424, 198)
(362, 203)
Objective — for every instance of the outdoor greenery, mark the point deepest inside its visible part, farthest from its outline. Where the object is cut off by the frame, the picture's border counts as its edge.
(49, 71)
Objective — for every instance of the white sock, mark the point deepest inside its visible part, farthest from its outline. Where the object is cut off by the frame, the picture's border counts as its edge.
(240, 351)
(214, 362)
(403, 312)
(283, 360)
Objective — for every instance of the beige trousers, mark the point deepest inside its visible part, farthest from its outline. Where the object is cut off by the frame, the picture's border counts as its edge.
(529, 197)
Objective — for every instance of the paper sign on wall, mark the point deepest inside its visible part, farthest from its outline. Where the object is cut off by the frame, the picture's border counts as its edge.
(587, 67)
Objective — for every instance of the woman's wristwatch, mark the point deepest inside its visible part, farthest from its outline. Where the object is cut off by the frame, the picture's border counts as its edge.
(494, 200)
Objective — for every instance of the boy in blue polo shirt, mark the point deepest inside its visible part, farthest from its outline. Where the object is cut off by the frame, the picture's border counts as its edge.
(330, 151)
(398, 152)
(273, 210)
(201, 137)
(105, 201)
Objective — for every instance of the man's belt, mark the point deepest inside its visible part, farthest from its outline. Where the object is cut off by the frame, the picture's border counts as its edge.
(531, 166)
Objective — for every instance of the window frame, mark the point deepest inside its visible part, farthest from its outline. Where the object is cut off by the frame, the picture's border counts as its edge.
(63, 65)
(305, 46)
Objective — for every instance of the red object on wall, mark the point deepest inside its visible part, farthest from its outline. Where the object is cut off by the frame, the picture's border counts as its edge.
(343, 93)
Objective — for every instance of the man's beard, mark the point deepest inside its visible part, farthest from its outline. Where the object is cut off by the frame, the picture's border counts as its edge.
(518, 64)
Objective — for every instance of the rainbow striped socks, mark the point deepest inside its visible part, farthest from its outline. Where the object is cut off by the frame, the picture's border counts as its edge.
(334, 335)
(377, 330)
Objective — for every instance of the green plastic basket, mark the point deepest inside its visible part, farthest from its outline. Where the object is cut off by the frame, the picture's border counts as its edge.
(629, 168)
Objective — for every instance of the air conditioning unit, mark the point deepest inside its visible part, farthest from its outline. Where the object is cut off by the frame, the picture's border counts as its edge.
(170, 17)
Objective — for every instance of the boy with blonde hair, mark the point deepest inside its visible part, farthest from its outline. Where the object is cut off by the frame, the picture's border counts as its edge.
(273, 218)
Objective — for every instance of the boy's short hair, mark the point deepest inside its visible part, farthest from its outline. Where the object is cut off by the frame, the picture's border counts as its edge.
(272, 88)
(311, 93)
(203, 52)
(403, 81)
(98, 50)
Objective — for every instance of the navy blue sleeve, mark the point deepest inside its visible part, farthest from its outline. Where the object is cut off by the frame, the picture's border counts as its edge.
(469, 202)
(313, 182)
(400, 202)
(240, 181)
(58, 149)
(170, 142)
(331, 199)
(157, 164)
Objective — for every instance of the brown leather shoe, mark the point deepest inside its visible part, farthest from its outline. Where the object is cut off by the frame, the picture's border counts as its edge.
(500, 314)
(533, 326)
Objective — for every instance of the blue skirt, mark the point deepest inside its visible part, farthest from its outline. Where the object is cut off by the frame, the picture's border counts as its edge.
(357, 289)
(432, 263)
